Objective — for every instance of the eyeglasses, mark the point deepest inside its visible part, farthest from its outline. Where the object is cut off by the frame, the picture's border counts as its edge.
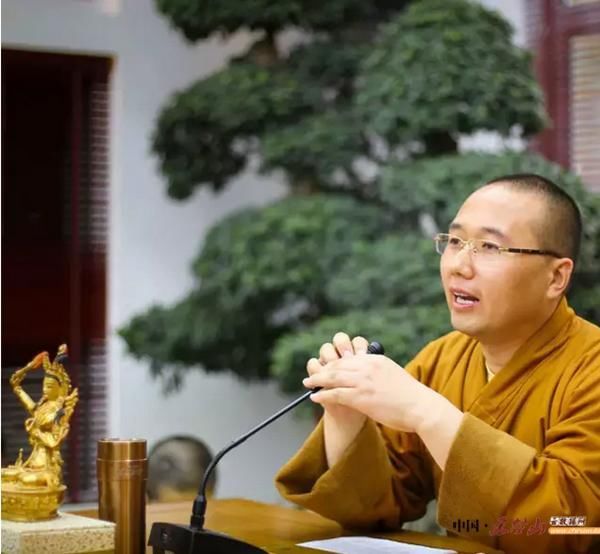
(481, 247)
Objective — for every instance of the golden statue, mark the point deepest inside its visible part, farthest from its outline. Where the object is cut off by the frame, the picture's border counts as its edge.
(33, 489)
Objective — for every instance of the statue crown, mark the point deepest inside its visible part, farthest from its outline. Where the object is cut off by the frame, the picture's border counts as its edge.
(57, 370)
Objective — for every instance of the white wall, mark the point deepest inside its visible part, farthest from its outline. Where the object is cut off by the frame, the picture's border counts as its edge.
(152, 239)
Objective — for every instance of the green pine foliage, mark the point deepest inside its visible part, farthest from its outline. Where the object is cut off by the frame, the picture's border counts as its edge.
(362, 118)
(447, 67)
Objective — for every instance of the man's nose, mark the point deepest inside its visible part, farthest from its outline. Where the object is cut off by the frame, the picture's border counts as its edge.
(462, 262)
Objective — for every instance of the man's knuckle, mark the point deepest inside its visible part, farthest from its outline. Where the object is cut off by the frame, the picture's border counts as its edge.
(312, 366)
(360, 344)
(342, 341)
(340, 336)
(328, 353)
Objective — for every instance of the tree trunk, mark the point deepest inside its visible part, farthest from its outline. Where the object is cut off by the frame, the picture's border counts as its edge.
(439, 143)
(264, 51)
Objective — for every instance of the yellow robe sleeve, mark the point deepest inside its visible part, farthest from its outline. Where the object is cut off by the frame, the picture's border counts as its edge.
(382, 480)
(490, 474)
(368, 487)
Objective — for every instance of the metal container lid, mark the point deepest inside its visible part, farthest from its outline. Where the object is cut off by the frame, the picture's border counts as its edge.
(114, 449)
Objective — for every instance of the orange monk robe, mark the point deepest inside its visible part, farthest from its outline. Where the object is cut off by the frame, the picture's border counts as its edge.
(528, 446)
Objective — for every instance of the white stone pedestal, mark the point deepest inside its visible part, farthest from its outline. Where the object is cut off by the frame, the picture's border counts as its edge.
(66, 534)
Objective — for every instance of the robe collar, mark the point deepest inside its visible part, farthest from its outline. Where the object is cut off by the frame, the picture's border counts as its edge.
(495, 396)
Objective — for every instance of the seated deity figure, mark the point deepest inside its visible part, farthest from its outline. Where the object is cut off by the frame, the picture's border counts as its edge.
(47, 427)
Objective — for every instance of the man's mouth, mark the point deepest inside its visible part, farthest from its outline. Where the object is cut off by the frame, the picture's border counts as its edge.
(462, 298)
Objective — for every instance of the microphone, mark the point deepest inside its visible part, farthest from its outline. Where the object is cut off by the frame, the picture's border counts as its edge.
(193, 538)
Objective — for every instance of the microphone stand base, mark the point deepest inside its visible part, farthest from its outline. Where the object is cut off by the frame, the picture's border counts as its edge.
(182, 539)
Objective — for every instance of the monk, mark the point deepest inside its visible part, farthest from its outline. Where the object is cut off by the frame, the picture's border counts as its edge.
(499, 420)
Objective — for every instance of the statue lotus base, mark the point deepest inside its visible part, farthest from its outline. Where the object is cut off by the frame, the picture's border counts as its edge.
(32, 504)
(65, 534)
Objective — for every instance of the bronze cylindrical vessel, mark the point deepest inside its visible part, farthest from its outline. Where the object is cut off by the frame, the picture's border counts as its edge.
(122, 468)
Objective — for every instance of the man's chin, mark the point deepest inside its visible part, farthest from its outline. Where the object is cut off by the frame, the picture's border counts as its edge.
(465, 325)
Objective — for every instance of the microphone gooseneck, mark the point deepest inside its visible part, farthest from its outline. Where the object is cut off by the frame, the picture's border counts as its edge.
(199, 506)
(194, 539)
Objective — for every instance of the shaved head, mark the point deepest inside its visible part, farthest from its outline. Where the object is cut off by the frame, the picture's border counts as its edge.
(561, 229)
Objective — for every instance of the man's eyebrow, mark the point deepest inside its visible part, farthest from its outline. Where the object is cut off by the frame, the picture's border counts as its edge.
(489, 230)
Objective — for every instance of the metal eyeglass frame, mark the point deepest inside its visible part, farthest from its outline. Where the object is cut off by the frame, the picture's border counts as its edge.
(470, 243)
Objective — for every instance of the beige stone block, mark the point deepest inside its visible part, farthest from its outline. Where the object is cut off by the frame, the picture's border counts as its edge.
(66, 534)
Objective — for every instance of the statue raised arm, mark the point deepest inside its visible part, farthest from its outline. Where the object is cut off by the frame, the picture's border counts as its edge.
(17, 377)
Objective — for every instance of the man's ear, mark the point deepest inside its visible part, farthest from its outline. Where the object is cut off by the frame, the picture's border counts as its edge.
(560, 277)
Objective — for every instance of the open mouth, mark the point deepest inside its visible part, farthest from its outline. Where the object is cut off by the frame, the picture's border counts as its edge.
(463, 299)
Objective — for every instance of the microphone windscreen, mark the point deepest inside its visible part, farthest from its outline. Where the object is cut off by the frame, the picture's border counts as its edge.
(375, 348)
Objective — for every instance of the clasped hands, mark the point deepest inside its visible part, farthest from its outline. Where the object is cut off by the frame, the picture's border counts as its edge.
(373, 385)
